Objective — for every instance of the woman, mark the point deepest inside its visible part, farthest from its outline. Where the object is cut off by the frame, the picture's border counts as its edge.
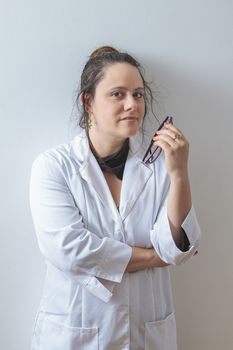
(108, 224)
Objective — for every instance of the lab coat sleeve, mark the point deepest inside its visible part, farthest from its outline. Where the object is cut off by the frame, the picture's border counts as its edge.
(96, 263)
(161, 235)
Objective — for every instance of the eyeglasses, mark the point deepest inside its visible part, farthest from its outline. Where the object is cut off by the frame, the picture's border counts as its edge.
(153, 152)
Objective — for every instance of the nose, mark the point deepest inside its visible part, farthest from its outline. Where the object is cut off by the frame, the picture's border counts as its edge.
(130, 103)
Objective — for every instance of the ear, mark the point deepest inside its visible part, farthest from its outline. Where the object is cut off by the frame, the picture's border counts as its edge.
(81, 99)
(86, 101)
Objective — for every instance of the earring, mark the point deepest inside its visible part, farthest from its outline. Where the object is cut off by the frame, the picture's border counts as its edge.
(90, 121)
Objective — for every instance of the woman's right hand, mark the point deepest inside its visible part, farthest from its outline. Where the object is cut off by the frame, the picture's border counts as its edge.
(144, 258)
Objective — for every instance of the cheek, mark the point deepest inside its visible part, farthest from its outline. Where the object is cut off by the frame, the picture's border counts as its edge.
(113, 111)
(142, 109)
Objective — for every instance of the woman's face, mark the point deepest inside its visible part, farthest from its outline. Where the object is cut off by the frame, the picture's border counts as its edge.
(118, 106)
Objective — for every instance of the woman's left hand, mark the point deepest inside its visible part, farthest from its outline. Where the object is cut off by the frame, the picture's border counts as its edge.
(176, 149)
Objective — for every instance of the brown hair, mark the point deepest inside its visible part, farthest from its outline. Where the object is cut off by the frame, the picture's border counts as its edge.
(93, 72)
(101, 51)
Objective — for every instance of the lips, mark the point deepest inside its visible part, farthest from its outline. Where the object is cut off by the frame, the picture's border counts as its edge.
(129, 118)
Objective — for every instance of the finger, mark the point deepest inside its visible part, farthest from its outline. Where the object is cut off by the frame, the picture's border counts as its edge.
(166, 139)
(162, 144)
(172, 134)
(172, 127)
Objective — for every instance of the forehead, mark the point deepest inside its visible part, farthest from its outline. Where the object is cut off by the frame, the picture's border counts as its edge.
(121, 74)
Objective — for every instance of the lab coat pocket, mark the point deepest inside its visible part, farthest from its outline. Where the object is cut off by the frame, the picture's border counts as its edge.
(52, 335)
(161, 335)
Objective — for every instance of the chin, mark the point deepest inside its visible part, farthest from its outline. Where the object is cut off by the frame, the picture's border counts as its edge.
(131, 132)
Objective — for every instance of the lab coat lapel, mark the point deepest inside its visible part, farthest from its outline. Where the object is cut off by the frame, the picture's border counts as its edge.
(93, 175)
(90, 171)
(136, 175)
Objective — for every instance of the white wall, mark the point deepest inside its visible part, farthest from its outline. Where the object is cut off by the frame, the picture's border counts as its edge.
(187, 47)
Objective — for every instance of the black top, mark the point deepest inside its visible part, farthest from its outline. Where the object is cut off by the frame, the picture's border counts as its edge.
(114, 163)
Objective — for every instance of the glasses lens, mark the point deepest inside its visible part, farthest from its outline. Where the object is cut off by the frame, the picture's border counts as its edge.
(152, 155)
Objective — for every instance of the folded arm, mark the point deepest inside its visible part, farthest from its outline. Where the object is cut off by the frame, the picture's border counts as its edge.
(144, 258)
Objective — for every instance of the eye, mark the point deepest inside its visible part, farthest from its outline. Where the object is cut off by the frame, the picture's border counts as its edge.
(117, 94)
(139, 94)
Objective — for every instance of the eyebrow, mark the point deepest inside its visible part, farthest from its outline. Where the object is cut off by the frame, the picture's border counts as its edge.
(124, 88)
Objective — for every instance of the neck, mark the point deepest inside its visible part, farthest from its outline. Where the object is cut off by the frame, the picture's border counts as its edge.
(110, 145)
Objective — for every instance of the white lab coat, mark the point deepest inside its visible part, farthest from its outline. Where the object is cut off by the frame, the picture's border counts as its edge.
(88, 301)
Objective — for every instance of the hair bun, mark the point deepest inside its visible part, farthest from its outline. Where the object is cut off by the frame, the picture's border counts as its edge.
(101, 51)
